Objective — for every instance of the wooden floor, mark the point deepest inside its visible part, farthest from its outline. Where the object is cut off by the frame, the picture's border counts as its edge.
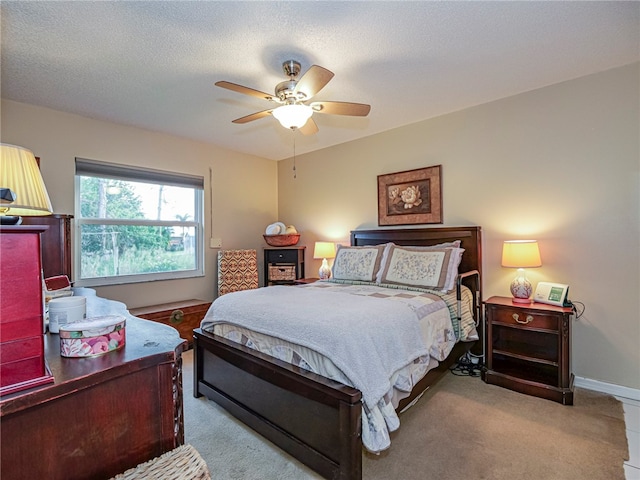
(632, 420)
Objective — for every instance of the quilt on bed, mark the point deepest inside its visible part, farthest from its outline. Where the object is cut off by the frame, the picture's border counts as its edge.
(376, 339)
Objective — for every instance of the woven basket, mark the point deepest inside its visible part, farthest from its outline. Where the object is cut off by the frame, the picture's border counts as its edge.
(286, 240)
(182, 463)
(282, 272)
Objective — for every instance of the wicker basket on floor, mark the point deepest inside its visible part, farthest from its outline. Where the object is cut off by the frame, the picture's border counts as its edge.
(182, 463)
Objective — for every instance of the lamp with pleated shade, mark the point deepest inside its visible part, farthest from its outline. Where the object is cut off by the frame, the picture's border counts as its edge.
(22, 190)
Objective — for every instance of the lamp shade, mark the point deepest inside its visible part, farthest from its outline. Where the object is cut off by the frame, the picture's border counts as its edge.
(19, 174)
(521, 254)
(324, 250)
(293, 116)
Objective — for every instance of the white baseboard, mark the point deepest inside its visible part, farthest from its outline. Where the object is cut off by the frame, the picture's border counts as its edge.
(610, 388)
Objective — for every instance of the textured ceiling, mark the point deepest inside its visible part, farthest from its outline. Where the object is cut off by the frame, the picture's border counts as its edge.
(153, 64)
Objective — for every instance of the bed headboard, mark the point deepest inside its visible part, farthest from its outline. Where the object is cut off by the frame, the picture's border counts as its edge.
(470, 238)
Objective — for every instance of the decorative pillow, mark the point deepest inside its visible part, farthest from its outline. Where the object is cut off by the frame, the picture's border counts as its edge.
(357, 263)
(454, 263)
(422, 267)
(452, 270)
(383, 260)
(387, 248)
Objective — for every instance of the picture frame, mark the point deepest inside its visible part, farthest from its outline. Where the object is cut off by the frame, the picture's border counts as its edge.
(411, 197)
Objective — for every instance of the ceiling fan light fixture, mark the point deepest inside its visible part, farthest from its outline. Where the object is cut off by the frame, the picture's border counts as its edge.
(293, 116)
(290, 95)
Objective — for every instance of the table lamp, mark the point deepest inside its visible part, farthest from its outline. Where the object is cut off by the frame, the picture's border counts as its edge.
(521, 254)
(324, 250)
(22, 190)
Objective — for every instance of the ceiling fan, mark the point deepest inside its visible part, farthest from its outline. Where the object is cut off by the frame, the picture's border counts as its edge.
(291, 96)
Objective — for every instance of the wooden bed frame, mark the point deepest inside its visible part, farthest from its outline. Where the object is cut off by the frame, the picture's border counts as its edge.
(316, 420)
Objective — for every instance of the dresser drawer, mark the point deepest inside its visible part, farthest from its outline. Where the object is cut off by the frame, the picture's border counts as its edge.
(21, 349)
(524, 318)
(13, 328)
(22, 364)
(282, 256)
(20, 281)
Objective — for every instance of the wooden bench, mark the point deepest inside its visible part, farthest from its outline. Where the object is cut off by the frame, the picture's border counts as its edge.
(184, 315)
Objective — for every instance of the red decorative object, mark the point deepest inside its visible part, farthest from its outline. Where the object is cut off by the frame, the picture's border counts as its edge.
(22, 363)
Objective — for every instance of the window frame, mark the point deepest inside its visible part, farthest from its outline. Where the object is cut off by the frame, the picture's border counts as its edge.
(93, 168)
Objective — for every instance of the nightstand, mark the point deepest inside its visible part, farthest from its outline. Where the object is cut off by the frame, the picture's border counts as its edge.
(283, 265)
(529, 348)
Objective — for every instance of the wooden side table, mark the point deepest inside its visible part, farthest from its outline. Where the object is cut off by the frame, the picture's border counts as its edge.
(529, 348)
(284, 258)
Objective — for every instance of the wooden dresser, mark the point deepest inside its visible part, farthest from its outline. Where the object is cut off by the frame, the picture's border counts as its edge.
(102, 415)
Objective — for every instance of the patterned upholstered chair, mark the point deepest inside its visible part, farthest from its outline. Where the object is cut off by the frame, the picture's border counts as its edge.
(237, 270)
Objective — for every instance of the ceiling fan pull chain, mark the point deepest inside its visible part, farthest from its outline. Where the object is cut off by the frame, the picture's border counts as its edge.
(293, 132)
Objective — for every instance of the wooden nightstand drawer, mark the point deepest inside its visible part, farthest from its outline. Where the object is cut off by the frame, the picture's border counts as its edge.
(282, 256)
(522, 317)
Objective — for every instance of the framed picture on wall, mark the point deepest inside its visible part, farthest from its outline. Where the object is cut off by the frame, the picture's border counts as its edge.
(411, 197)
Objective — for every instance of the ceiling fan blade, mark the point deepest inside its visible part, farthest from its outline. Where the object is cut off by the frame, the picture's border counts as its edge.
(342, 108)
(253, 116)
(309, 128)
(313, 81)
(244, 90)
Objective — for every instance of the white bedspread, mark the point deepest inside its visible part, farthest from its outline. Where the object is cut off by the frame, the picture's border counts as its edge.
(368, 338)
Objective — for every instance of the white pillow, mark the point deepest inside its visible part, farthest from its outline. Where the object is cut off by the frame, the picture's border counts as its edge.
(357, 263)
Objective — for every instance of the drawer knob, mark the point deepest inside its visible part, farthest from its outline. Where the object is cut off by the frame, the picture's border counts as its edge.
(516, 317)
(177, 316)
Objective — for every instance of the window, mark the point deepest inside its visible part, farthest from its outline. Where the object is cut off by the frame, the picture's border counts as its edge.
(136, 225)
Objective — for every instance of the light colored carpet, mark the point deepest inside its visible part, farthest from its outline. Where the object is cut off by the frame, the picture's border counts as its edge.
(461, 429)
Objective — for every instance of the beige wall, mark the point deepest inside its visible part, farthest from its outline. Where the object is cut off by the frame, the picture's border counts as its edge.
(560, 164)
(244, 197)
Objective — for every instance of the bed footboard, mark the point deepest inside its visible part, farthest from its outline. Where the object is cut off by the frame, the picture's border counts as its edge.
(314, 419)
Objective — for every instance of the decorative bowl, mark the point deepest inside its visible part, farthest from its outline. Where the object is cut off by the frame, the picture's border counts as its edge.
(286, 240)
